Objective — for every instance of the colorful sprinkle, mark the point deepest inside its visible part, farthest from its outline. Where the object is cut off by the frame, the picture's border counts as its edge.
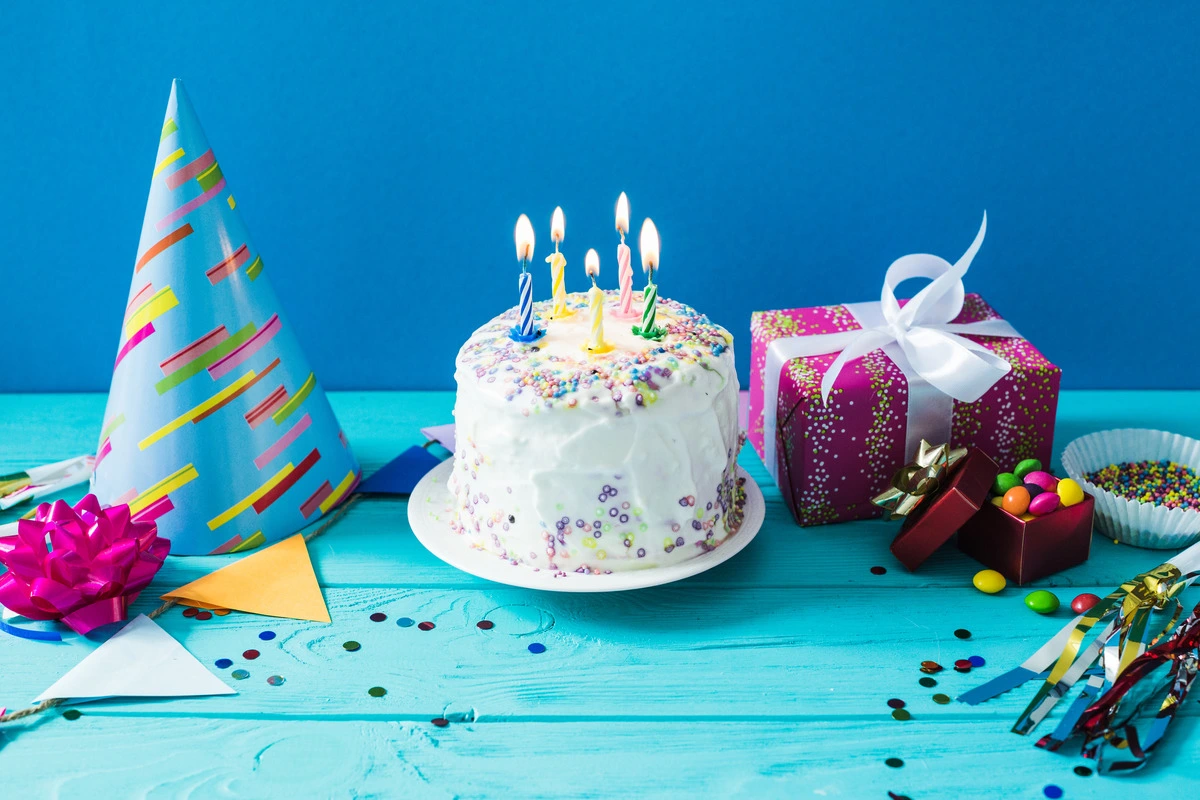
(250, 655)
(426, 626)
(485, 624)
(928, 683)
(941, 699)
(1160, 483)
(267, 636)
(894, 763)
(275, 680)
(878, 570)
(931, 667)
(963, 633)
(537, 647)
(378, 616)
(441, 722)
(1052, 791)
(72, 714)
(190, 612)
(895, 702)
(977, 661)
(351, 646)
(405, 622)
(223, 663)
(203, 615)
(377, 691)
(1083, 771)
(901, 714)
(239, 674)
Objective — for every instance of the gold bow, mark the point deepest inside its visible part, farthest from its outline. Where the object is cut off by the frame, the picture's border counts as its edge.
(915, 481)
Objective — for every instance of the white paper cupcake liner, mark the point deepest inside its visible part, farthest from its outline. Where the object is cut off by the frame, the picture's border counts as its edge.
(1139, 524)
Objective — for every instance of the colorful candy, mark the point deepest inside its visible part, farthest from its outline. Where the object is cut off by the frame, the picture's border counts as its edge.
(1043, 504)
(1004, 481)
(1016, 501)
(989, 581)
(1069, 492)
(1043, 479)
(1084, 602)
(1027, 466)
(1042, 602)
(1162, 483)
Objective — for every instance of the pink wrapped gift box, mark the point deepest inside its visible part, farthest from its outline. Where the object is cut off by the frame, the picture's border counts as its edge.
(831, 459)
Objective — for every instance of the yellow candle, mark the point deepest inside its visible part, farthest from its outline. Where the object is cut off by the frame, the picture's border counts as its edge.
(595, 342)
(558, 267)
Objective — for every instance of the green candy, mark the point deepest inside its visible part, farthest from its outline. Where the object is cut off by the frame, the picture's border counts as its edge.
(1004, 481)
(1042, 602)
(1027, 466)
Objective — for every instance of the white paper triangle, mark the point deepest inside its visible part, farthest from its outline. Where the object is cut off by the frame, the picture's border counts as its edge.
(140, 660)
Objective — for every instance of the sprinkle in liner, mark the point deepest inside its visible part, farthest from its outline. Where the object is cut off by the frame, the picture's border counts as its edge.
(1161, 483)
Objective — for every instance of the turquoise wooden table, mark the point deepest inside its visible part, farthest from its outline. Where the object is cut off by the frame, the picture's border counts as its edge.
(765, 677)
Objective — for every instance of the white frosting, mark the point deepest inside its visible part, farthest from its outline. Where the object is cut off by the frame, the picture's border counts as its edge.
(572, 461)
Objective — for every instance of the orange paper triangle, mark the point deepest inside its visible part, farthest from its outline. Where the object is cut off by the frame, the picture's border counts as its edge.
(276, 582)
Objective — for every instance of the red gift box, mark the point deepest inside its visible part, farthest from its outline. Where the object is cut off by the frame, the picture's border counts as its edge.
(1025, 550)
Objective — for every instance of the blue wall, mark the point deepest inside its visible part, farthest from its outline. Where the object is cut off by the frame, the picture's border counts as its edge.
(788, 152)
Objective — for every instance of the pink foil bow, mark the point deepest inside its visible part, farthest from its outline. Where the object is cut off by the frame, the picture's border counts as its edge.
(83, 565)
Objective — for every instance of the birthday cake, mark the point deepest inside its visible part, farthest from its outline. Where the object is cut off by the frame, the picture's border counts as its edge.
(573, 460)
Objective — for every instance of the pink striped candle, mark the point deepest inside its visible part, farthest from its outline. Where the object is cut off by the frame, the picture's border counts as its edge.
(624, 269)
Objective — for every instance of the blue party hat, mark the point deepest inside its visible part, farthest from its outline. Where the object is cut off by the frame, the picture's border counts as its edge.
(216, 426)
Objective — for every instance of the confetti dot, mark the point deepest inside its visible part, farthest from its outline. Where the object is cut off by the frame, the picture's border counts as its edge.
(878, 570)
(1052, 791)
(963, 633)
(240, 674)
(221, 612)
(976, 661)
(72, 714)
(485, 624)
(901, 715)
(351, 646)
(223, 663)
(895, 702)
(191, 612)
(250, 655)
(378, 616)
(426, 626)
(928, 683)
(377, 691)
(941, 699)
(963, 664)
(405, 622)
(537, 647)
(894, 763)
(931, 667)
(203, 615)
(267, 636)
(275, 680)
(441, 722)
(1083, 771)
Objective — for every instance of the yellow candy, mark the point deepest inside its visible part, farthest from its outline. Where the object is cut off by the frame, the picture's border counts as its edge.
(1027, 516)
(1069, 492)
(989, 581)
(998, 501)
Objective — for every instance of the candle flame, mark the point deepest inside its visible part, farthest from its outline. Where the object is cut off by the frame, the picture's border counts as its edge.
(558, 225)
(591, 263)
(523, 235)
(622, 214)
(648, 244)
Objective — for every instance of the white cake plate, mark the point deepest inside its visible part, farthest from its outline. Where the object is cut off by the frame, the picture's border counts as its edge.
(431, 508)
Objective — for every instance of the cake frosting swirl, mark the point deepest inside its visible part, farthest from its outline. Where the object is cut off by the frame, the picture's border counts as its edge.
(574, 461)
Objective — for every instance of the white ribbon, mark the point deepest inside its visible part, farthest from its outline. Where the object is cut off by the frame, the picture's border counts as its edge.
(940, 364)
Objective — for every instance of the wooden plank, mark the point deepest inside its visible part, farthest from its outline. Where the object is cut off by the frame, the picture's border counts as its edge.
(670, 652)
(103, 756)
(375, 545)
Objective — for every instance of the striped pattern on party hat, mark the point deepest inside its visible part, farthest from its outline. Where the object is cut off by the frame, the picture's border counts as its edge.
(216, 426)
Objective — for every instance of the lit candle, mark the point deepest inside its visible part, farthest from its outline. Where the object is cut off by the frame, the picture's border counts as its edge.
(558, 267)
(524, 331)
(595, 342)
(648, 244)
(624, 269)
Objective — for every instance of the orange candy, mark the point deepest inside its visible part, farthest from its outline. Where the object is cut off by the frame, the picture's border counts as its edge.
(1016, 501)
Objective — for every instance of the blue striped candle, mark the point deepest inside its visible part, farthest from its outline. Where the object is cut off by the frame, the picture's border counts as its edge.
(525, 286)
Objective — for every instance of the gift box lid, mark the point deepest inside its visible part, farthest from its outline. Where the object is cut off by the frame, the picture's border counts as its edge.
(937, 519)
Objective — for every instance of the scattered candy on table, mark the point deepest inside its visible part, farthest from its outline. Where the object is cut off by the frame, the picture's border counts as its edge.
(1042, 601)
(989, 581)
(1084, 602)
(1161, 483)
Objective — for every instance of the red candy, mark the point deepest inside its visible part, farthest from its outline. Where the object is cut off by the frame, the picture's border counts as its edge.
(1084, 602)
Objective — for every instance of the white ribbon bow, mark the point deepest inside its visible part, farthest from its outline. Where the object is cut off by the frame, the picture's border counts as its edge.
(940, 364)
